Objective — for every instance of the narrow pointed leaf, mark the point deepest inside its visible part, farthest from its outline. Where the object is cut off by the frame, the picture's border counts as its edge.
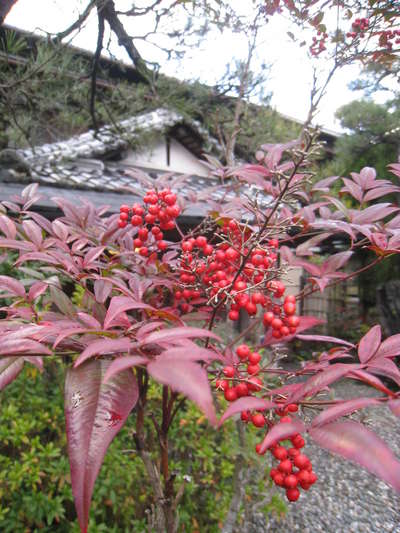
(12, 285)
(282, 431)
(245, 404)
(186, 377)
(123, 363)
(94, 414)
(360, 445)
(342, 409)
(369, 344)
(10, 368)
(324, 338)
(120, 304)
(174, 334)
(322, 380)
(18, 346)
(394, 406)
(390, 347)
(103, 346)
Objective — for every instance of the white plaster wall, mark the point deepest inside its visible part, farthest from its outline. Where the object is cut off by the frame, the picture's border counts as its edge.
(155, 157)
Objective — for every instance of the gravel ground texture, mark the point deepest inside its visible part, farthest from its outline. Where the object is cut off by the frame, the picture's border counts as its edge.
(346, 498)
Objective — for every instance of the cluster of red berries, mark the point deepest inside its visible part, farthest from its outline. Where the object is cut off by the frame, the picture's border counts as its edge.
(358, 26)
(159, 213)
(294, 470)
(241, 380)
(210, 271)
(387, 37)
(318, 44)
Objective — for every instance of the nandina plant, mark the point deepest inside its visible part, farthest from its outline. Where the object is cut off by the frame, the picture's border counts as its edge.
(150, 303)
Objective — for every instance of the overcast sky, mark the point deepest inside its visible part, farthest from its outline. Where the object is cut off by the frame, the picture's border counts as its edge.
(291, 72)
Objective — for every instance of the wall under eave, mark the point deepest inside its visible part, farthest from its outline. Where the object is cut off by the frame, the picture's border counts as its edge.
(154, 156)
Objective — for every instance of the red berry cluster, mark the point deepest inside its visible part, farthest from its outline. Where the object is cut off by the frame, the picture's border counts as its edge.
(318, 44)
(240, 380)
(294, 470)
(387, 37)
(158, 213)
(211, 271)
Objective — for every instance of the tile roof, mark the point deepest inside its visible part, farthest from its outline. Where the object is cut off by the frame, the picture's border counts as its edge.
(79, 164)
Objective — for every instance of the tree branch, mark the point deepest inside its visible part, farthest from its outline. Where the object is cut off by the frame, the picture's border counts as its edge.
(95, 66)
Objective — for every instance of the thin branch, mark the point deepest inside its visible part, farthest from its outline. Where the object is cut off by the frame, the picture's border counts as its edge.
(77, 24)
(95, 66)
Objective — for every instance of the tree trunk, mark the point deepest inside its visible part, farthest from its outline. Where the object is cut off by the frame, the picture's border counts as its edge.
(5, 8)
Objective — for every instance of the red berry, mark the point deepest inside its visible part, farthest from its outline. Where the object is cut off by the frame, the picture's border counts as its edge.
(144, 251)
(273, 472)
(124, 208)
(292, 494)
(279, 479)
(244, 416)
(253, 369)
(285, 466)
(313, 478)
(301, 461)
(254, 384)
(243, 351)
(298, 441)
(242, 389)
(122, 223)
(201, 241)
(229, 371)
(170, 199)
(230, 394)
(258, 420)
(292, 408)
(136, 220)
(280, 453)
(254, 358)
(143, 233)
(123, 216)
(258, 449)
(233, 315)
(221, 384)
(292, 452)
(286, 419)
(303, 476)
(291, 481)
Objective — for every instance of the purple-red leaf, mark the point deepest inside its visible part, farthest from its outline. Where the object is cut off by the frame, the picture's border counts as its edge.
(322, 380)
(324, 338)
(92, 255)
(357, 443)
(8, 227)
(102, 290)
(186, 377)
(244, 404)
(394, 406)
(390, 347)
(123, 363)
(369, 344)
(12, 285)
(176, 334)
(342, 409)
(14, 346)
(36, 290)
(120, 304)
(103, 346)
(281, 431)
(94, 414)
(10, 368)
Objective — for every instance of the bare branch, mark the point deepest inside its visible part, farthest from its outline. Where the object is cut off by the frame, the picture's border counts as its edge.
(78, 23)
(95, 66)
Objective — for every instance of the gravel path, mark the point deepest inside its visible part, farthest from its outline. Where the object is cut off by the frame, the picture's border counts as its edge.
(346, 499)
